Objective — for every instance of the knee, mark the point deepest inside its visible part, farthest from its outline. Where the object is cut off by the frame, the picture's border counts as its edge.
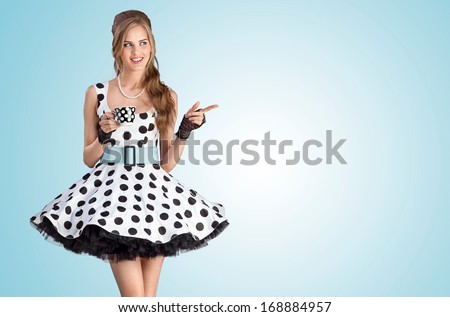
(136, 293)
(150, 293)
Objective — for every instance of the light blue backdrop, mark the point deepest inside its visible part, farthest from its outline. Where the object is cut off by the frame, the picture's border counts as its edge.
(376, 73)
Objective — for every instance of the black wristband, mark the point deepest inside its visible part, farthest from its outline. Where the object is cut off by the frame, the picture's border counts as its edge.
(186, 126)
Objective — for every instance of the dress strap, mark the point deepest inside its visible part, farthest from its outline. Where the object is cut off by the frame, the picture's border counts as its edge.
(100, 89)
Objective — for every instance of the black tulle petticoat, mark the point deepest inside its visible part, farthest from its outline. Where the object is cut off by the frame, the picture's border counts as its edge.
(110, 247)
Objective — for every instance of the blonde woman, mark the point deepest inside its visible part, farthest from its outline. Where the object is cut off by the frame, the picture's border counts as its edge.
(128, 209)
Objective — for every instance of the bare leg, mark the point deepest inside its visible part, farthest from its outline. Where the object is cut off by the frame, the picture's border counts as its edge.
(128, 275)
(151, 269)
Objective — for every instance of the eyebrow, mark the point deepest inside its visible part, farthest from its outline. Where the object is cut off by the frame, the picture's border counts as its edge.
(138, 41)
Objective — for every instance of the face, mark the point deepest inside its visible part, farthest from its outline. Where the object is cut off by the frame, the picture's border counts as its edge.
(136, 49)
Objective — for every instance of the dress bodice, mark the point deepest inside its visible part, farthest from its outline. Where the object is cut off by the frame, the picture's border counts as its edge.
(142, 133)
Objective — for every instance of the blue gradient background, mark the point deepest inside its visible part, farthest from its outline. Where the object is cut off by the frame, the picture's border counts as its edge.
(375, 73)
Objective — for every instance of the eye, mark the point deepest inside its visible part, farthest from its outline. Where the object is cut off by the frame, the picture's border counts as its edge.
(127, 44)
(145, 43)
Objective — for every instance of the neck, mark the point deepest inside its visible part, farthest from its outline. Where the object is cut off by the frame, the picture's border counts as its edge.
(131, 80)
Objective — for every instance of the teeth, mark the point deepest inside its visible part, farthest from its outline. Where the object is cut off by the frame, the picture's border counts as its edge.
(136, 59)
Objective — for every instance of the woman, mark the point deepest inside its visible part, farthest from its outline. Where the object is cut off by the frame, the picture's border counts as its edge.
(129, 210)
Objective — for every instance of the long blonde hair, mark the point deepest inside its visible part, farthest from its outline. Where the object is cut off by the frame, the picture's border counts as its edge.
(156, 89)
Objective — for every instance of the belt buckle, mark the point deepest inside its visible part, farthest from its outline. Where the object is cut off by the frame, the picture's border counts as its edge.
(125, 155)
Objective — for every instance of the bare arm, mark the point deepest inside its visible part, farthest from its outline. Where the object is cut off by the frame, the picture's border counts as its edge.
(93, 150)
(171, 148)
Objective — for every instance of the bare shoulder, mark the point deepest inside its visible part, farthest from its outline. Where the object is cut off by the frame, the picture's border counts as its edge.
(174, 96)
(90, 97)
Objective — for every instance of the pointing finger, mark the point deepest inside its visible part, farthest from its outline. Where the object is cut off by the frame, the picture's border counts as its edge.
(209, 108)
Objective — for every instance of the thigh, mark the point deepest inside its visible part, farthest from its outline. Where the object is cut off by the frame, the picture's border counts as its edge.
(128, 275)
(151, 270)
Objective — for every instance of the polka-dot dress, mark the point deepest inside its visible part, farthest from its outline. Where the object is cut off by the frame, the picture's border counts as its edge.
(118, 212)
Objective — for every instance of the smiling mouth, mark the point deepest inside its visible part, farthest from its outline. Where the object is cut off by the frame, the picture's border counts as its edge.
(136, 60)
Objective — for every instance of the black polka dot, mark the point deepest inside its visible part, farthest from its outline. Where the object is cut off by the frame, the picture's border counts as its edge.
(143, 115)
(128, 168)
(167, 179)
(164, 188)
(176, 202)
(150, 207)
(115, 232)
(215, 224)
(110, 173)
(165, 195)
(97, 173)
(179, 216)
(121, 209)
(191, 200)
(97, 183)
(122, 199)
(151, 126)
(127, 135)
(123, 187)
(81, 203)
(105, 214)
(135, 218)
(73, 186)
(91, 211)
(100, 85)
(179, 189)
(166, 206)
(148, 231)
(148, 218)
(85, 177)
(153, 177)
(187, 213)
(137, 207)
(80, 224)
(123, 176)
(79, 213)
(102, 222)
(132, 231)
(67, 225)
(152, 185)
(142, 129)
(137, 187)
(199, 226)
(108, 192)
(177, 224)
(162, 230)
(106, 204)
(139, 176)
(83, 190)
(164, 216)
(109, 182)
(151, 196)
(56, 217)
(193, 192)
(92, 200)
(137, 198)
(68, 210)
(204, 212)
(215, 209)
(118, 221)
